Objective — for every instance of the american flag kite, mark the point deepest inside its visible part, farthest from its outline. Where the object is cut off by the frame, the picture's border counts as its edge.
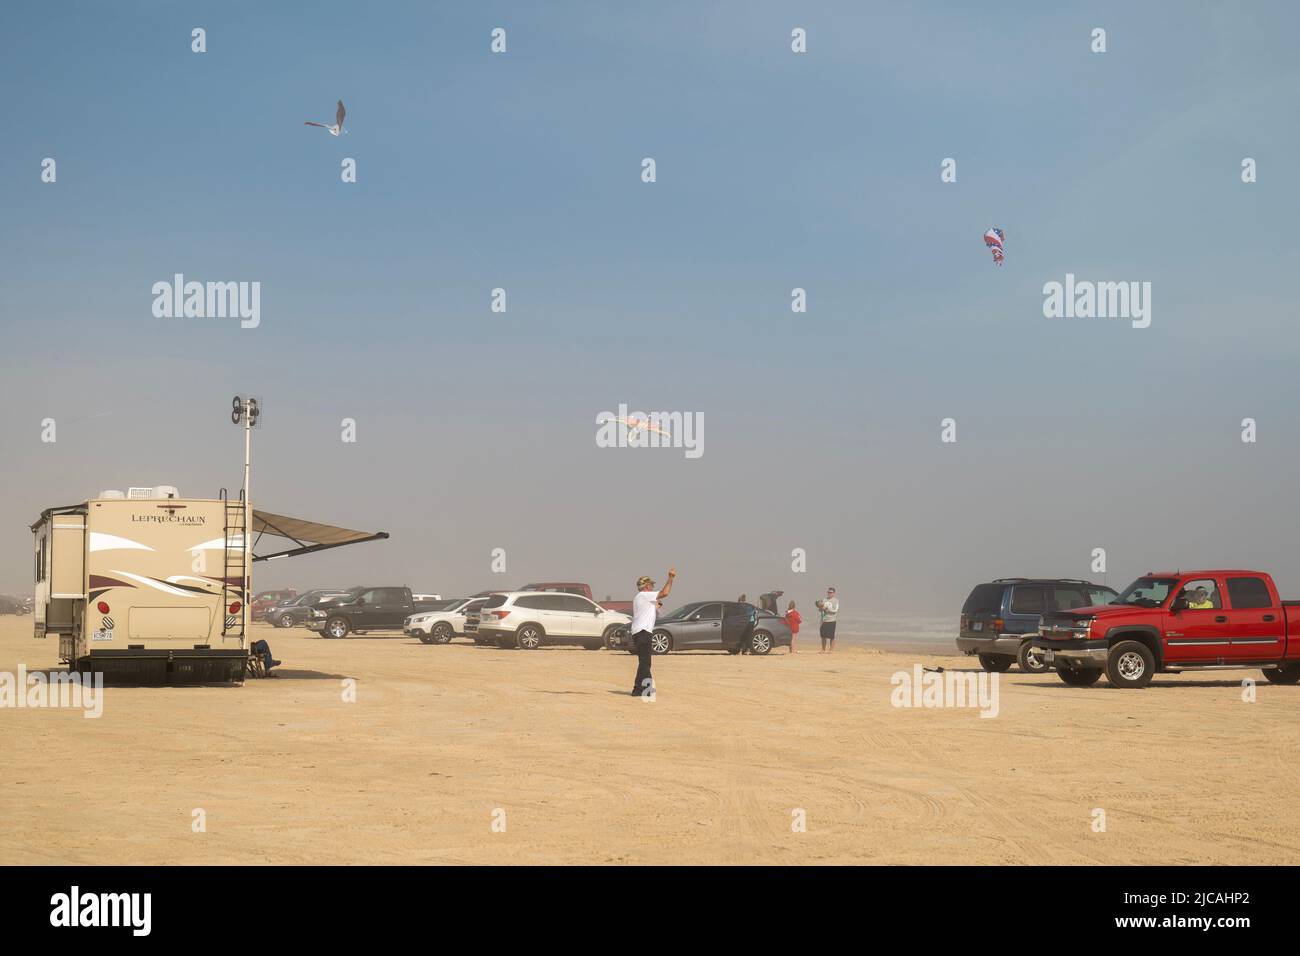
(993, 239)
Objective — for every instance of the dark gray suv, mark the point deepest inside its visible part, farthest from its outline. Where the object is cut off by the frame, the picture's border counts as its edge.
(1000, 618)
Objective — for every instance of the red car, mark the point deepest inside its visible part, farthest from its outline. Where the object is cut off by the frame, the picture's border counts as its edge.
(1172, 622)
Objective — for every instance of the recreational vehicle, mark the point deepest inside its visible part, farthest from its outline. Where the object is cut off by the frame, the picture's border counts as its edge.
(151, 587)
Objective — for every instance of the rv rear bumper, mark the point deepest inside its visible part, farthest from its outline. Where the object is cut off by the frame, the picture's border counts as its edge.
(169, 666)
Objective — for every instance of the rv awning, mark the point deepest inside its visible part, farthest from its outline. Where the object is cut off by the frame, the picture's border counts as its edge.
(309, 536)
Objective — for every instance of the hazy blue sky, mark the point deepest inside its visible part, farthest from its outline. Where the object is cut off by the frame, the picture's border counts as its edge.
(477, 430)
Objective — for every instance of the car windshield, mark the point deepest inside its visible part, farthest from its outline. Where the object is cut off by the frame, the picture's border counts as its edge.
(681, 612)
(1146, 592)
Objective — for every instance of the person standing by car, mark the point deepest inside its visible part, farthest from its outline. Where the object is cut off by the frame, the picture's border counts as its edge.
(645, 605)
(792, 620)
(830, 609)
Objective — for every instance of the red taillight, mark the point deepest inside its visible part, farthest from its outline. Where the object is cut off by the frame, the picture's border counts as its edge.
(234, 608)
(103, 607)
(998, 624)
(501, 615)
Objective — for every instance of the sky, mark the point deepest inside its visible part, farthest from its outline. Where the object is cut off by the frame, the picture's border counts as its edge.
(476, 430)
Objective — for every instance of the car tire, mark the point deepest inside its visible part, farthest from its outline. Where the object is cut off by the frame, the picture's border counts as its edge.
(284, 620)
(1031, 660)
(661, 642)
(529, 636)
(1130, 664)
(425, 638)
(611, 633)
(593, 645)
(1079, 676)
(996, 662)
(336, 628)
(440, 633)
(760, 643)
(1283, 675)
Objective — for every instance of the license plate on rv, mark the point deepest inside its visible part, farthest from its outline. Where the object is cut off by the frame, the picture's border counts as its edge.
(101, 636)
(977, 626)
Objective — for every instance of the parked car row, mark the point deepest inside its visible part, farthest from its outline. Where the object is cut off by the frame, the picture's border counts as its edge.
(1164, 622)
(15, 605)
(529, 619)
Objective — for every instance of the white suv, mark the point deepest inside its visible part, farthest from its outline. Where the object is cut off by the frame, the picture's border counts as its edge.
(439, 627)
(529, 619)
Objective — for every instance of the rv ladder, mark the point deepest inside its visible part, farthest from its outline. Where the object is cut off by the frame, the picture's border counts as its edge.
(235, 565)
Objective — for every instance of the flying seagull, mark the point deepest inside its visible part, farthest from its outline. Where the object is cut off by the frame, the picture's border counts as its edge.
(338, 121)
(633, 425)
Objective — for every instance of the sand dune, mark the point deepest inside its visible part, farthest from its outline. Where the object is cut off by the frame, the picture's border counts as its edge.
(441, 740)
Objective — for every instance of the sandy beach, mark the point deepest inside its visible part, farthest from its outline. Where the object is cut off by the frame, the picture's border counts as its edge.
(441, 742)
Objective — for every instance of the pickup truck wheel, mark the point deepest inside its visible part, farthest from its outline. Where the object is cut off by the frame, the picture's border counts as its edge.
(1078, 676)
(1283, 675)
(996, 662)
(661, 642)
(441, 633)
(284, 620)
(760, 643)
(1031, 660)
(336, 627)
(529, 637)
(1130, 664)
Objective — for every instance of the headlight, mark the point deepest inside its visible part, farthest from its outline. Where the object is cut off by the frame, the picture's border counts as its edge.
(317, 613)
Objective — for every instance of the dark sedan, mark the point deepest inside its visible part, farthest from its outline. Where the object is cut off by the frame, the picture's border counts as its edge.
(295, 611)
(719, 626)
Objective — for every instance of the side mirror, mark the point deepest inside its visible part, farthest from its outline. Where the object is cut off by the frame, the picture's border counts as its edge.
(359, 600)
(1180, 604)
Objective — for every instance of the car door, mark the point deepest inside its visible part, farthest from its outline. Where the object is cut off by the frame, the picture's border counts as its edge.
(1028, 603)
(1197, 635)
(701, 629)
(364, 609)
(394, 605)
(737, 623)
(585, 621)
(1254, 624)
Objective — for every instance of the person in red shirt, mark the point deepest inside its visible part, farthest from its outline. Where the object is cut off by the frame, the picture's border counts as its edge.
(793, 619)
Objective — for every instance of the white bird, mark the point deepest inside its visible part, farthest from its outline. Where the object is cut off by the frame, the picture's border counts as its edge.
(338, 121)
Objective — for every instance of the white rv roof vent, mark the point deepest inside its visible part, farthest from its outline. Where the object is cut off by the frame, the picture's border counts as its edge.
(112, 494)
(166, 491)
(138, 493)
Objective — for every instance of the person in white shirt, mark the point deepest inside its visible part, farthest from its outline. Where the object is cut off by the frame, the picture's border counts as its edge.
(829, 608)
(645, 606)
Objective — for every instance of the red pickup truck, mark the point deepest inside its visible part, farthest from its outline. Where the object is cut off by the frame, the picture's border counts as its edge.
(1172, 622)
(568, 587)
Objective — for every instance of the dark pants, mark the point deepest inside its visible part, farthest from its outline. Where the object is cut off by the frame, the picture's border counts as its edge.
(263, 650)
(828, 630)
(644, 683)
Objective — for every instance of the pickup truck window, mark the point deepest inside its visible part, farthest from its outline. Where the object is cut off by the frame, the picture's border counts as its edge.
(1248, 592)
(1027, 599)
(392, 596)
(1201, 595)
(1147, 592)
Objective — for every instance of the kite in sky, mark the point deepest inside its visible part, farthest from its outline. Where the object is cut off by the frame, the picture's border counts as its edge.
(338, 121)
(994, 239)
